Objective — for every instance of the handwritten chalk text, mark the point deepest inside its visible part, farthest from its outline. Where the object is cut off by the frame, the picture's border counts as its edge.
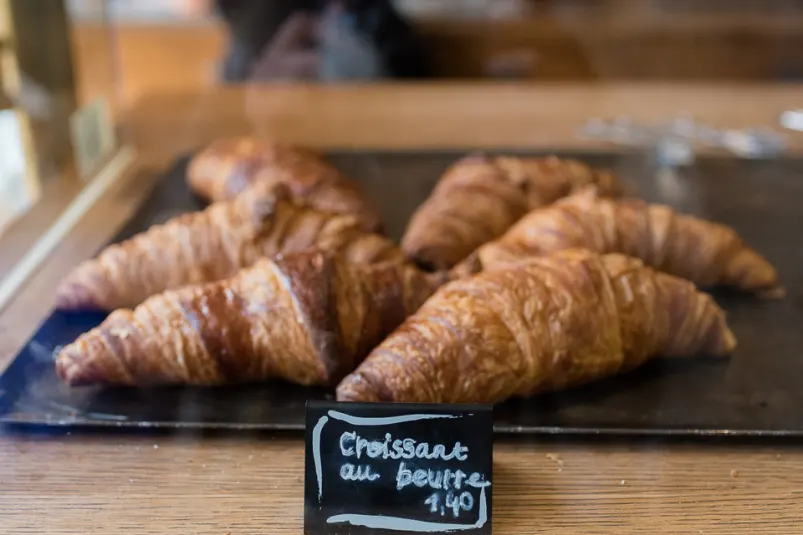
(349, 472)
(352, 444)
(438, 479)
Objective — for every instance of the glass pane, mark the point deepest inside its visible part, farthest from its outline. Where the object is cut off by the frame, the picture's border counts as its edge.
(59, 114)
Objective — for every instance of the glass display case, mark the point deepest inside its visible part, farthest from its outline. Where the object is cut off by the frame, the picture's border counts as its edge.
(401, 266)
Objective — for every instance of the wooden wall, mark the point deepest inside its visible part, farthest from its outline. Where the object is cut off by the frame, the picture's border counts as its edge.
(169, 57)
(136, 59)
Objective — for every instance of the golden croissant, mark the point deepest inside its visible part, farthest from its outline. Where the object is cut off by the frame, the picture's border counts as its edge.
(308, 318)
(701, 251)
(543, 325)
(214, 244)
(479, 198)
(229, 166)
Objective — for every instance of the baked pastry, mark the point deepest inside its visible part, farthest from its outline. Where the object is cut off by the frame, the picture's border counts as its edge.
(544, 325)
(308, 318)
(214, 244)
(701, 251)
(479, 198)
(229, 166)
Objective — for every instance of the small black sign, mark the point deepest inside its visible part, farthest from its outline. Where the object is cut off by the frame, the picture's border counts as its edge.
(400, 468)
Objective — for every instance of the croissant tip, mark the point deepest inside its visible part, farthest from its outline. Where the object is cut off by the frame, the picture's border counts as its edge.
(62, 301)
(87, 362)
(729, 343)
(70, 296)
(346, 397)
(357, 397)
(73, 297)
(475, 157)
(70, 368)
(355, 388)
(774, 293)
(61, 367)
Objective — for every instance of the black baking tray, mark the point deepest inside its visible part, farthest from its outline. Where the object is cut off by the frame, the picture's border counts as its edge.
(756, 392)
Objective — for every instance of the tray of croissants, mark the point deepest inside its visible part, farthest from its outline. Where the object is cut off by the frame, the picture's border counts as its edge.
(578, 293)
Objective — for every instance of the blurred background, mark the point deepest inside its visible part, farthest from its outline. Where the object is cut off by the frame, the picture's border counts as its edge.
(102, 57)
(165, 45)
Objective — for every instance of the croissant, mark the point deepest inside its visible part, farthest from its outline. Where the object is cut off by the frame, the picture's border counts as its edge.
(229, 166)
(212, 245)
(543, 325)
(308, 318)
(701, 251)
(479, 198)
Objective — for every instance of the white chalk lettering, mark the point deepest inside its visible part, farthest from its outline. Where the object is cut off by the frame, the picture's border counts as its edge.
(375, 449)
(420, 478)
(446, 475)
(344, 438)
(361, 445)
(404, 477)
(409, 448)
(385, 445)
(477, 481)
(397, 450)
(352, 444)
(349, 472)
(439, 450)
(460, 453)
(435, 482)
(466, 501)
(438, 479)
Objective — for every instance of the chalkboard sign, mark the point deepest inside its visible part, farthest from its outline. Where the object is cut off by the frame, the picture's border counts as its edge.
(400, 468)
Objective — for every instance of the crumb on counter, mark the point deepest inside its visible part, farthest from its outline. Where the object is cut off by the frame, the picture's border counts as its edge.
(555, 458)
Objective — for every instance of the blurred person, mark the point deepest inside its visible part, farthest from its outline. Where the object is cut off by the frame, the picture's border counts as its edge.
(251, 25)
(273, 40)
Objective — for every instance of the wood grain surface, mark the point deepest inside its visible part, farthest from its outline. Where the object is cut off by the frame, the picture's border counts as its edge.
(254, 485)
(100, 483)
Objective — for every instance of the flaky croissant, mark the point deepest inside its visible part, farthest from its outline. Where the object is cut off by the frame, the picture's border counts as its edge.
(228, 166)
(701, 251)
(479, 198)
(308, 318)
(543, 325)
(212, 245)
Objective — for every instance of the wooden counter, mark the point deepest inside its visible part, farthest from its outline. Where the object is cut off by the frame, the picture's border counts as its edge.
(248, 484)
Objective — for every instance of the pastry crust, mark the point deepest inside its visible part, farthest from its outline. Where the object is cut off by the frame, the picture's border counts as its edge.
(214, 244)
(308, 318)
(543, 325)
(227, 167)
(704, 252)
(479, 198)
